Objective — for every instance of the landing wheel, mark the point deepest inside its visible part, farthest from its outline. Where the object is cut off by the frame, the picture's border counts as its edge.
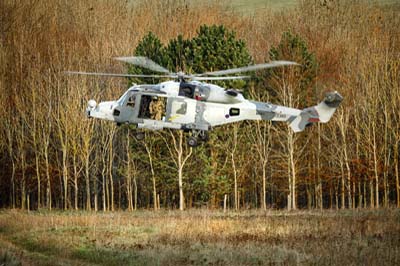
(192, 142)
(139, 135)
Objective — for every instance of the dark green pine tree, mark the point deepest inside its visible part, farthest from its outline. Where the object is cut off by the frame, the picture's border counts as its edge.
(151, 47)
(214, 48)
(217, 48)
(179, 55)
(293, 48)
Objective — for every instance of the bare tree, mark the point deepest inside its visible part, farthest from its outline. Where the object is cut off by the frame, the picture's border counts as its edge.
(343, 122)
(21, 148)
(11, 137)
(110, 164)
(234, 170)
(46, 132)
(149, 145)
(128, 173)
(180, 153)
(261, 137)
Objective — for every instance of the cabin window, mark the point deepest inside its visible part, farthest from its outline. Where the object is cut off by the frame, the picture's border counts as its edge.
(234, 111)
(182, 110)
(186, 89)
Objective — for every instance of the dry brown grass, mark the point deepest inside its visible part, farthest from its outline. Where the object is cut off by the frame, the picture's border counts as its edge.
(202, 237)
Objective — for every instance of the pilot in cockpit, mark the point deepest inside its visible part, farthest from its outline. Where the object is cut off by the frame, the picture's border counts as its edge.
(131, 101)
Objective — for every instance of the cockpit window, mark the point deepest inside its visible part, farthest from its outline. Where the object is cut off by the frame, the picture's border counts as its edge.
(131, 101)
(126, 97)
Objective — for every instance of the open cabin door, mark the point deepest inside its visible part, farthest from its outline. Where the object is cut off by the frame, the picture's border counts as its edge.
(152, 107)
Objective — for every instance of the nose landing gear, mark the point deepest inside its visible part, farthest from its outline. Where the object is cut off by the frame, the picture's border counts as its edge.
(202, 135)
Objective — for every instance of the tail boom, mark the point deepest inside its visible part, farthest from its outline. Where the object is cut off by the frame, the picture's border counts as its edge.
(319, 113)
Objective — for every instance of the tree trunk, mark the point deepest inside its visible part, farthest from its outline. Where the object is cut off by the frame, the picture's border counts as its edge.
(96, 207)
(23, 185)
(13, 184)
(396, 170)
(108, 192)
(360, 195)
(153, 177)
(35, 145)
(104, 167)
(354, 196)
(87, 180)
(110, 172)
(10, 137)
(264, 186)
(371, 193)
(292, 170)
(349, 196)
(387, 155)
(180, 183)
(235, 182)
(155, 205)
(103, 176)
(128, 173)
(365, 193)
(236, 196)
(65, 176)
(343, 204)
(38, 178)
(136, 192)
(330, 197)
(75, 180)
(320, 196)
(337, 199)
(375, 166)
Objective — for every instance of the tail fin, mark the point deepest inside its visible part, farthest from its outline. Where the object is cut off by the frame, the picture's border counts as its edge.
(320, 113)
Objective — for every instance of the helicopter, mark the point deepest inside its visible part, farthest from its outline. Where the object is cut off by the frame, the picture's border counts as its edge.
(190, 104)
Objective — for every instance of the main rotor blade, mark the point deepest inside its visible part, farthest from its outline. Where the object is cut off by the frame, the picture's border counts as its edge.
(119, 75)
(193, 77)
(250, 68)
(143, 62)
(217, 78)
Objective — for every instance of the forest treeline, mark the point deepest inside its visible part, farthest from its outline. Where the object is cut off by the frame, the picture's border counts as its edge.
(52, 156)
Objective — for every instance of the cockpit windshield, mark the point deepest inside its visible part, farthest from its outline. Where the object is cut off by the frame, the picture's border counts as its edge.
(127, 97)
(122, 98)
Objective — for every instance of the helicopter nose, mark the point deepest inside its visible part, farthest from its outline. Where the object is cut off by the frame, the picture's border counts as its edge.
(91, 106)
(102, 110)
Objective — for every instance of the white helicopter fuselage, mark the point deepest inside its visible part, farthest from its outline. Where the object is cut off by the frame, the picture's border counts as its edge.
(200, 107)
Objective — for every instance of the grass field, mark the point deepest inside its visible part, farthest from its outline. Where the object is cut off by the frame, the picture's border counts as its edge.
(257, 5)
(200, 237)
(251, 6)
